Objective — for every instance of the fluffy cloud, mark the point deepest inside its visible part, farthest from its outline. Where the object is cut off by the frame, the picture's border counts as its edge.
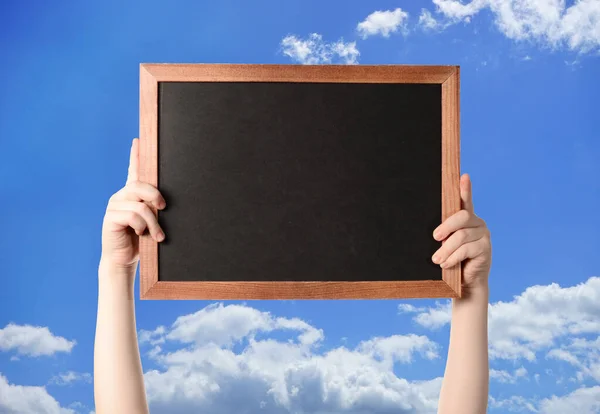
(314, 51)
(506, 377)
(427, 21)
(514, 404)
(533, 321)
(66, 378)
(582, 354)
(222, 358)
(547, 22)
(225, 326)
(227, 363)
(383, 23)
(580, 401)
(429, 317)
(32, 340)
(20, 399)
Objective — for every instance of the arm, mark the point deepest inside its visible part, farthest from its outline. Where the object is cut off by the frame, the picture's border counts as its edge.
(118, 376)
(466, 239)
(465, 384)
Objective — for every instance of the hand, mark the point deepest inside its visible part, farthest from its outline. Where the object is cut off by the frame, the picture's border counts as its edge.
(127, 216)
(466, 239)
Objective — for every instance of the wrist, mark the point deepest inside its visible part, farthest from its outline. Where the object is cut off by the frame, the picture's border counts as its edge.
(108, 266)
(479, 291)
(114, 279)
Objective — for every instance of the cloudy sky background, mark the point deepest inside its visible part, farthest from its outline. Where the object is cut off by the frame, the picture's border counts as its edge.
(68, 111)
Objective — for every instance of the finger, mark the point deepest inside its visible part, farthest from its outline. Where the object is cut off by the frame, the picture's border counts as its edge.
(124, 219)
(459, 220)
(144, 211)
(464, 252)
(139, 191)
(134, 161)
(455, 241)
(466, 193)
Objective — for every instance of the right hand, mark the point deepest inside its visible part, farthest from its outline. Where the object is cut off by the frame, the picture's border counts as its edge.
(128, 215)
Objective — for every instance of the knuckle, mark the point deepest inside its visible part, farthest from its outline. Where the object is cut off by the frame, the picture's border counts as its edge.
(133, 185)
(458, 254)
(156, 195)
(464, 252)
(132, 217)
(461, 235)
(153, 224)
(486, 235)
(488, 242)
(464, 215)
(115, 197)
(142, 208)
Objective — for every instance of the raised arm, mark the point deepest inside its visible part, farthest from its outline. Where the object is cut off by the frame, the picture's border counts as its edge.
(466, 239)
(118, 377)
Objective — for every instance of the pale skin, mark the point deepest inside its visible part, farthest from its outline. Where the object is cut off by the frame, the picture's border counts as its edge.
(118, 376)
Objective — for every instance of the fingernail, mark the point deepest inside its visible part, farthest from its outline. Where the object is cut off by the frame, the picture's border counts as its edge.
(160, 236)
(435, 258)
(444, 265)
(437, 235)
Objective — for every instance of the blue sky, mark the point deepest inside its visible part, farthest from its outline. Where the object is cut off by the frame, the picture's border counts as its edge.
(529, 124)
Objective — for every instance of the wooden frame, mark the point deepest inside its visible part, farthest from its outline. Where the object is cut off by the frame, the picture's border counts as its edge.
(447, 76)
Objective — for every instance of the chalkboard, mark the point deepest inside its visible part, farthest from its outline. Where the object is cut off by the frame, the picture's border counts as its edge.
(299, 182)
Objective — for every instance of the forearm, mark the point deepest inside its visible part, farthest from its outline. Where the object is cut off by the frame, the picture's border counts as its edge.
(466, 380)
(118, 375)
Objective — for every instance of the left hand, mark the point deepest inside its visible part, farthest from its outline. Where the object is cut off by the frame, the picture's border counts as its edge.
(465, 238)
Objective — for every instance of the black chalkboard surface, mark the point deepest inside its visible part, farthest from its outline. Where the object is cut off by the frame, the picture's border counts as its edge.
(301, 182)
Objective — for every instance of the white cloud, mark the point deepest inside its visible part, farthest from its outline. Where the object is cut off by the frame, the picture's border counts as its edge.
(432, 318)
(580, 401)
(32, 340)
(457, 10)
(520, 372)
(154, 337)
(534, 320)
(408, 308)
(314, 51)
(547, 22)
(383, 23)
(398, 348)
(280, 376)
(506, 377)
(581, 353)
(563, 355)
(20, 399)
(427, 21)
(222, 358)
(514, 404)
(66, 378)
(227, 325)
